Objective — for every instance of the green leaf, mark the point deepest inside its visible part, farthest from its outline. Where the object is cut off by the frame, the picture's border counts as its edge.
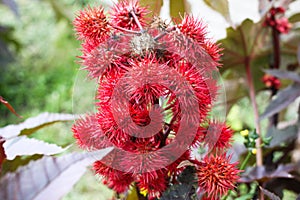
(24, 146)
(245, 197)
(153, 5)
(284, 74)
(221, 6)
(295, 18)
(289, 194)
(177, 8)
(33, 124)
(49, 177)
(234, 86)
(289, 48)
(284, 98)
(248, 42)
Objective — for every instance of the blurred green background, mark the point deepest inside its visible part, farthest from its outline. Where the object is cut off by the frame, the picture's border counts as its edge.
(38, 69)
(39, 72)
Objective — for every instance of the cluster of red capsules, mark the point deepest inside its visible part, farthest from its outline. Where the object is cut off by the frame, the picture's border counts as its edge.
(280, 24)
(276, 19)
(155, 92)
(271, 82)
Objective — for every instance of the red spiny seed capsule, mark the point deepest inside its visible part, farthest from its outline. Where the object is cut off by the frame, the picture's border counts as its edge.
(218, 135)
(121, 15)
(177, 166)
(91, 25)
(112, 131)
(196, 29)
(153, 183)
(213, 50)
(117, 180)
(88, 46)
(88, 133)
(193, 28)
(98, 61)
(216, 175)
(144, 158)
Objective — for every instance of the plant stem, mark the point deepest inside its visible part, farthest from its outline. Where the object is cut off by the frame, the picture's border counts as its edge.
(136, 20)
(243, 165)
(275, 65)
(276, 48)
(126, 30)
(164, 33)
(259, 155)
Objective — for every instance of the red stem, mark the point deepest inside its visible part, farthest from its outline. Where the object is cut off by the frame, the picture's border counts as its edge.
(136, 20)
(164, 33)
(275, 65)
(259, 154)
(126, 30)
(276, 48)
